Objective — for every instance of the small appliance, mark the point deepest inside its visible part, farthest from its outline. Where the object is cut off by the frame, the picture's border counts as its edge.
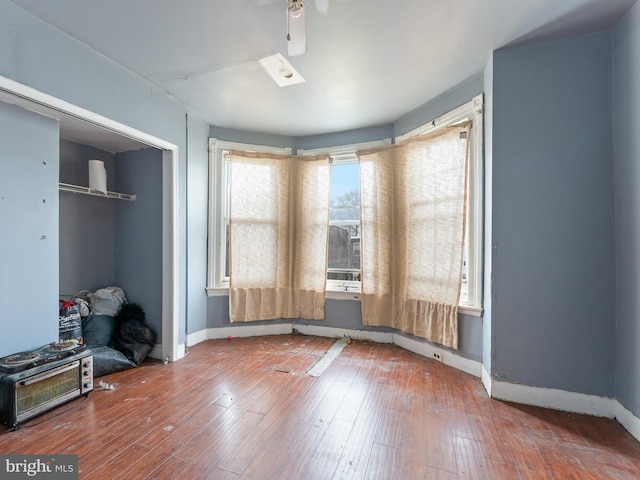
(36, 381)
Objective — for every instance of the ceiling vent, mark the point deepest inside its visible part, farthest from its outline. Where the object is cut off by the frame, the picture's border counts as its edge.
(281, 71)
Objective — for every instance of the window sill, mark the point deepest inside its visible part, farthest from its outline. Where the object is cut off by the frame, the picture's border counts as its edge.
(342, 295)
(469, 310)
(332, 294)
(217, 291)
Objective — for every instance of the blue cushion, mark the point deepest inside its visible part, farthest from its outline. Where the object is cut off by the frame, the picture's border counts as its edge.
(97, 330)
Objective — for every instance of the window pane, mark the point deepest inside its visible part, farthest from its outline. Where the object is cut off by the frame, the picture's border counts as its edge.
(344, 229)
(345, 213)
(344, 247)
(345, 185)
(226, 250)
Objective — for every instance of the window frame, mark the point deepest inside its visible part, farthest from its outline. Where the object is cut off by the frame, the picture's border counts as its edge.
(474, 111)
(344, 155)
(217, 283)
(343, 285)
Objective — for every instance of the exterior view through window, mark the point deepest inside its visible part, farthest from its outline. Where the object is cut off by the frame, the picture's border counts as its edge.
(344, 227)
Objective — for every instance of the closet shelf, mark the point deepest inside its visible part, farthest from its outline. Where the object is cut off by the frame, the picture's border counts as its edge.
(67, 187)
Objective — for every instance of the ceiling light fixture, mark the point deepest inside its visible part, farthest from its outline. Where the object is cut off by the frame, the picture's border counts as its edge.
(296, 28)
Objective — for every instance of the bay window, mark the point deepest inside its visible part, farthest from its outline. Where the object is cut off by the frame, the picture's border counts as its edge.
(344, 247)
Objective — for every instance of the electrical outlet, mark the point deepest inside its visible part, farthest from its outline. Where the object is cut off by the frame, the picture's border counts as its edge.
(437, 356)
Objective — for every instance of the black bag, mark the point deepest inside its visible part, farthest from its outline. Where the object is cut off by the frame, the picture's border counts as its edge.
(133, 337)
(70, 322)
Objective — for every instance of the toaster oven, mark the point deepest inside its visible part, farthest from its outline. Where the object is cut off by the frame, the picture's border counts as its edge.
(37, 381)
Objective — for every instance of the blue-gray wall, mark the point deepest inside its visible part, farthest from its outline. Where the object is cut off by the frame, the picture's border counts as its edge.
(138, 232)
(29, 238)
(348, 137)
(40, 56)
(197, 224)
(87, 223)
(626, 118)
(449, 100)
(553, 287)
(254, 138)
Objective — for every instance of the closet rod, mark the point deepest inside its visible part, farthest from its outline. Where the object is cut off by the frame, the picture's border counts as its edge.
(67, 187)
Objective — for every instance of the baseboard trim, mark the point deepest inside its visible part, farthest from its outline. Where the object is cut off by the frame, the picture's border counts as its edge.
(562, 400)
(554, 399)
(156, 352)
(486, 380)
(238, 331)
(628, 420)
(196, 337)
(335, 332)
(447, 357)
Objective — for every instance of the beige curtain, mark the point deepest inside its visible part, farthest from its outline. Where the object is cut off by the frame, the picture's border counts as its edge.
(278, 236)
(413, 201)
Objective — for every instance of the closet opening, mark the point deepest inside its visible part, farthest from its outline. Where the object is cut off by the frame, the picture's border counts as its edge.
(84, 133)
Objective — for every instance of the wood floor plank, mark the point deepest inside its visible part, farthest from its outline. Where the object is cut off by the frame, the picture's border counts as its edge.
(352, 402)
(440, 449)
(435, 474)
(592, 469)
(325, 460)
(147, 461)
(207, 449)
(171, 468)
(558, 461)
(106, 469)
(355, 456)
(270, 427)
(320, 418)
(172, 440)
(472, 464)
(382, 463)
(389, 429)
(300, 451)
(414, 454)
(220, 474)
(275, 452)
(244, 409)
(469, 458)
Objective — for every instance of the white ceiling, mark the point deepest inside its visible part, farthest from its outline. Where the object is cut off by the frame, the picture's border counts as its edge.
(77, 130)
(368, 63)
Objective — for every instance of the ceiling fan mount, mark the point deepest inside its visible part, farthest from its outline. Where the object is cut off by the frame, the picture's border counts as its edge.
(296, 24)
(296, 28)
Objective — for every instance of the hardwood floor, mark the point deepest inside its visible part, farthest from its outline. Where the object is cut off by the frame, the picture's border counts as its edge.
(244, 409)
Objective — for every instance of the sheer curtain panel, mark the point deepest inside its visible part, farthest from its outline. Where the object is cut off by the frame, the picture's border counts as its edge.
(413, 204)
(278, 225)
